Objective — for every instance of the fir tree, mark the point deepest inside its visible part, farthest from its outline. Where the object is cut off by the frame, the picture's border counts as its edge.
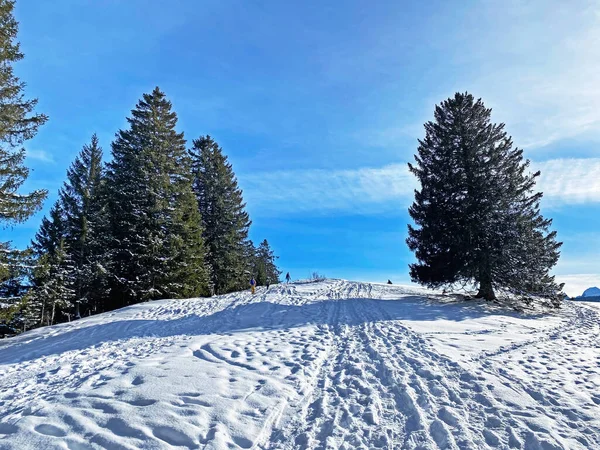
(52, 298)
(224, 218)
(477, 215)
(156, 234)
(83, 202)
(265, 267)
(53, 295)
(18, 124)
(14, 273)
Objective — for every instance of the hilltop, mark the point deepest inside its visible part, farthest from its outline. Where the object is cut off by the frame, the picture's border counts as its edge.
(332, 364)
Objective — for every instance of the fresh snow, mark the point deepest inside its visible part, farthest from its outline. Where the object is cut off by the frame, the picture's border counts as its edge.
(333, 364)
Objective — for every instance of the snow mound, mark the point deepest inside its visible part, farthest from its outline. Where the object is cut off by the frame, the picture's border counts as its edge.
(333, 364)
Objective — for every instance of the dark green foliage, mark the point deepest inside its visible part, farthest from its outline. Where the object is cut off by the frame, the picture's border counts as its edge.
(156, 246)
(71, 245)
(478, 218)
(53, 297)
(18, 123)
(86, 224)
(265, 269)
(224, 218)
(14, 268)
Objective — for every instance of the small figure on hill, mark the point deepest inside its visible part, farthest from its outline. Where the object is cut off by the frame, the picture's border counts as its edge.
(268, 284)
(389, 282)
(252, 285)
(287, 277)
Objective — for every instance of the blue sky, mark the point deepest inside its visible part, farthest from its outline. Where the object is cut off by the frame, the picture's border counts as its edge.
(319, 107)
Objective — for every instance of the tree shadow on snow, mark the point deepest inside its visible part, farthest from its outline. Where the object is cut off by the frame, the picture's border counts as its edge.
(260, 316)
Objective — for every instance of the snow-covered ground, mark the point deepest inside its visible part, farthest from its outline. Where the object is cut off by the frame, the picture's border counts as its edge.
(333, 364)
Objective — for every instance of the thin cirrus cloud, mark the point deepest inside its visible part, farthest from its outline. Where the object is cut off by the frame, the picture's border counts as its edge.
(363, 190)
(569, 181)
(40, 155)
(387, 189)
(546, 87)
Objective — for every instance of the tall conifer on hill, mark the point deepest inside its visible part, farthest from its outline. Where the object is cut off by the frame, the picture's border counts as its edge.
(224, 217)
(84, 204)
(157, 250)
(477, 215)
(18, 124)
(70, 245)
(266, 271)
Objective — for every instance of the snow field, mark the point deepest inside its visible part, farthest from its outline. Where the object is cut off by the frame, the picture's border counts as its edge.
(328, 365)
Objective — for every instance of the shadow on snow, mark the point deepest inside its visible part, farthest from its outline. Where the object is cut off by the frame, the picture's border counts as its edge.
(260, 316)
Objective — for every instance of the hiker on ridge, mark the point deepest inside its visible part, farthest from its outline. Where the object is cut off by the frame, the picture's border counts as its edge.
(287, 277)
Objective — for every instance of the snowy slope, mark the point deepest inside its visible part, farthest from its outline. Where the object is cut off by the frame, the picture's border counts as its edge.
(333, 364)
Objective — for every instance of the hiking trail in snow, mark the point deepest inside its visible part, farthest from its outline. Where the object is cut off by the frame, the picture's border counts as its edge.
(326, 365)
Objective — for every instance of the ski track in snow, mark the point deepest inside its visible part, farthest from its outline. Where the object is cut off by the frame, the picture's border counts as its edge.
(326, 365)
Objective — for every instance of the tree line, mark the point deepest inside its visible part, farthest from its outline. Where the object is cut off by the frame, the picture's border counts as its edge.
(159, 220)
(164, 220)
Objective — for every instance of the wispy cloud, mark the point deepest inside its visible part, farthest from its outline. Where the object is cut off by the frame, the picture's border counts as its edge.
(538, 64)
(390, 188)
(40, 155)
(575, 284)
(569, 181)
(365, 190)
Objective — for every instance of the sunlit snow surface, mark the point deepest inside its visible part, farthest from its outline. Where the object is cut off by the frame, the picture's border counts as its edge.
(333, 364)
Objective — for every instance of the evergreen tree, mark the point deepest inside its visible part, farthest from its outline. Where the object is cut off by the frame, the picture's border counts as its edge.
(83, 202)
(224, 218)
(18, 124)
(156, 233)
(53, 295)
(14, 271)
(477, 215)
(265, 267)
(52, 298)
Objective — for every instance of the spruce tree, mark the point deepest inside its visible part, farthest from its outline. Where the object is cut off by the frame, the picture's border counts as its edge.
(19, 123)
(83, 202)
(477, 215)
(157, 250)
(266, 271)
(52, 296)
(14, 273)
(224, 218)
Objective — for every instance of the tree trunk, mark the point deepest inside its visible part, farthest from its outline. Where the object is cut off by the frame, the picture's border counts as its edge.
(43, 307)
(486, 290)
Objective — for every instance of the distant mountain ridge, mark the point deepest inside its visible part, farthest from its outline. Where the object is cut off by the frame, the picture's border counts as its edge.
(589, 295)
(591, 292)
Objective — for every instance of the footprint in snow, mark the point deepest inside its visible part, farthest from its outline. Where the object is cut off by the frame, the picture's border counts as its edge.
(50, 430)
(141, 402)
(8, 428)
(173, 437)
